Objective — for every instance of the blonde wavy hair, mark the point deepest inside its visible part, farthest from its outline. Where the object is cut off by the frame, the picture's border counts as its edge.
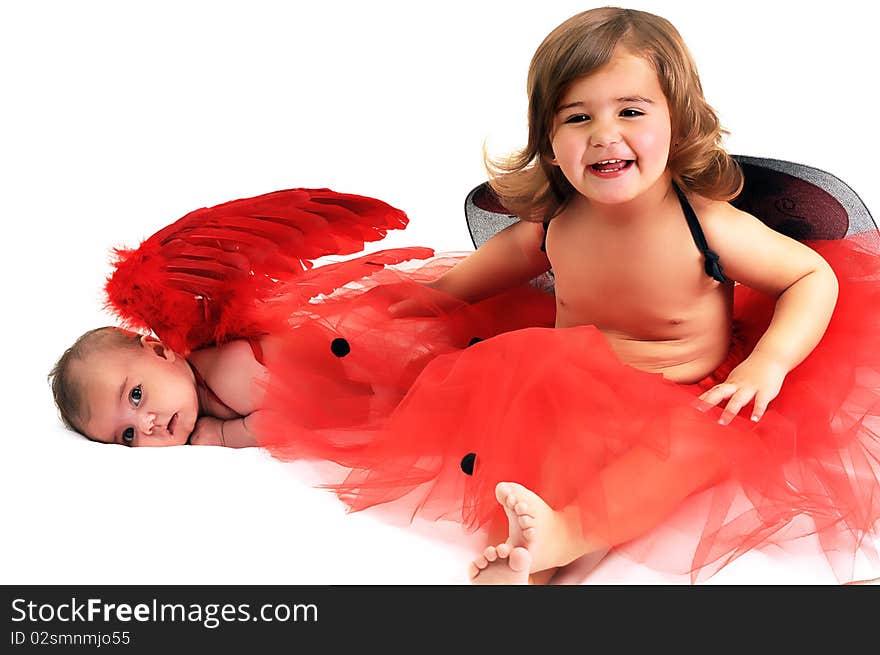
(535, 190)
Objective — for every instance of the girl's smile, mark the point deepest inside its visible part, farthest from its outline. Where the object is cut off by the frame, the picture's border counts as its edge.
(610, 168)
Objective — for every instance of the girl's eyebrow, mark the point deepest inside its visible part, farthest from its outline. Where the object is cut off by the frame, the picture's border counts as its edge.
(623, 99)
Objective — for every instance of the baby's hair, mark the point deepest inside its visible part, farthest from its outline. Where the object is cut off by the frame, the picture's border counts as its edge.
(533, 189)
(66, 387)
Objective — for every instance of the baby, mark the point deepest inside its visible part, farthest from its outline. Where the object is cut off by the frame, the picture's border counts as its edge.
(227, 291)
(117, 386)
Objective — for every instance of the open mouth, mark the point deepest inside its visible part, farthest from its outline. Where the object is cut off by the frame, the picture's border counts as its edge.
(172, 424)
(611, 166)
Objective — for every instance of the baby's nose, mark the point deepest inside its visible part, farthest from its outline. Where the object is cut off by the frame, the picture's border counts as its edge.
(148, 422)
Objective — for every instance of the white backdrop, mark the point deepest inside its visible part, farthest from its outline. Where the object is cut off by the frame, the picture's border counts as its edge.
(120, 117)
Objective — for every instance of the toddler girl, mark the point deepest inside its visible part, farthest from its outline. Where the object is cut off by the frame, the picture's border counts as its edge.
(694, 348)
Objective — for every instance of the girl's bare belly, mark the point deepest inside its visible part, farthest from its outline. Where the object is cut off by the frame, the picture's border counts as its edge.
(643, 284)
(684, 360)
(684, 352)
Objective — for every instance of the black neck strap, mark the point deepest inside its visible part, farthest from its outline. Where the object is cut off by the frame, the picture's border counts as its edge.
(713, 266)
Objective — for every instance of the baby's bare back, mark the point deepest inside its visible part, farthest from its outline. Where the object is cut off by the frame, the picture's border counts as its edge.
(645, 288)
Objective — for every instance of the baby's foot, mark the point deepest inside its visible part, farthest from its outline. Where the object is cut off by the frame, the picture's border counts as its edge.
(501, 564)
(553, 538)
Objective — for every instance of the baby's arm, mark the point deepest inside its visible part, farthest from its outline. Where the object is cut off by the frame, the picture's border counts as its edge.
(232, 373)
(232, 433)
(511, 257)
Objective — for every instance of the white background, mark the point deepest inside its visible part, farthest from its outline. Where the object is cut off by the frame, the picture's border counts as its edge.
(119, 117)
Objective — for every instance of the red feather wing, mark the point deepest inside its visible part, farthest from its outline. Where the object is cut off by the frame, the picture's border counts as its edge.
(193, 282)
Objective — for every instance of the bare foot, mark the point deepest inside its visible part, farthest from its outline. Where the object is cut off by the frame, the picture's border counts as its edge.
(554, 538)
(501, 565)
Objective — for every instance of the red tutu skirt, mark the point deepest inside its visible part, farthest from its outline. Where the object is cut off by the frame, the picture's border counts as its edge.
(431, 411)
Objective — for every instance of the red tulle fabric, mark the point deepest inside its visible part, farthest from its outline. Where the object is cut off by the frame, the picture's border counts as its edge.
(413, 400)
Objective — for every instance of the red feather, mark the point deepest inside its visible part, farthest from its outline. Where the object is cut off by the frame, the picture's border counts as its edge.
(194, 281)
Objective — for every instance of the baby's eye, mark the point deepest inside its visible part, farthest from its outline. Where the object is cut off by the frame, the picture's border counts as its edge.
(135, 395)
(577, 118)
(631, 113)
(128, 436)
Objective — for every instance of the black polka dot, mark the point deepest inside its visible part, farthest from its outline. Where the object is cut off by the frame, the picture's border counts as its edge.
(467, 463)
(340, 347)
(475, 340)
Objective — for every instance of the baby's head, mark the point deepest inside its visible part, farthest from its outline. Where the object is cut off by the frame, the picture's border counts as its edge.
(117, 386)
(583, 46)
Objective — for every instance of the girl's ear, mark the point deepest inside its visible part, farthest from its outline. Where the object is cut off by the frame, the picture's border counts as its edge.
(156, 347)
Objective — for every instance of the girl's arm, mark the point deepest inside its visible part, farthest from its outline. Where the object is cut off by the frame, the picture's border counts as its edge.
(802, 314)
(511, 257)
(806, 290)
(802, 281)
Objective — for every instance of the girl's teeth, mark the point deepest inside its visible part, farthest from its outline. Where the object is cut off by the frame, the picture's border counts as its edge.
(611, 165)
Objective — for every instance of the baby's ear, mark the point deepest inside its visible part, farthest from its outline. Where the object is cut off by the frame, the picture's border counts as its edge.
(153, 345)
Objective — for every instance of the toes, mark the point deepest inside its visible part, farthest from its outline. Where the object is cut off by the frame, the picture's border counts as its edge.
(481, 562)
(502, 491)
(526, 521)
(520, 559)
(529, 534)
(490, 554)
(520, 508)
(473, 571)
(503, 550)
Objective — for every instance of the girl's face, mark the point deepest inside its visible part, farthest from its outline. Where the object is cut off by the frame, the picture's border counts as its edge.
(612, 131)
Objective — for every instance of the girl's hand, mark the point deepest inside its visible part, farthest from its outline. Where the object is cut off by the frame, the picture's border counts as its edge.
(208, 432)
(431, 303)
(758, 377)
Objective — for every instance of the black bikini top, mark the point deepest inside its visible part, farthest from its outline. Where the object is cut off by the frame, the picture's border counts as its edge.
(712, 267)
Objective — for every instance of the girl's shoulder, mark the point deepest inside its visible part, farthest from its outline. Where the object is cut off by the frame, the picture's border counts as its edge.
(749, 251)
(721, 221)
(711, 211)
